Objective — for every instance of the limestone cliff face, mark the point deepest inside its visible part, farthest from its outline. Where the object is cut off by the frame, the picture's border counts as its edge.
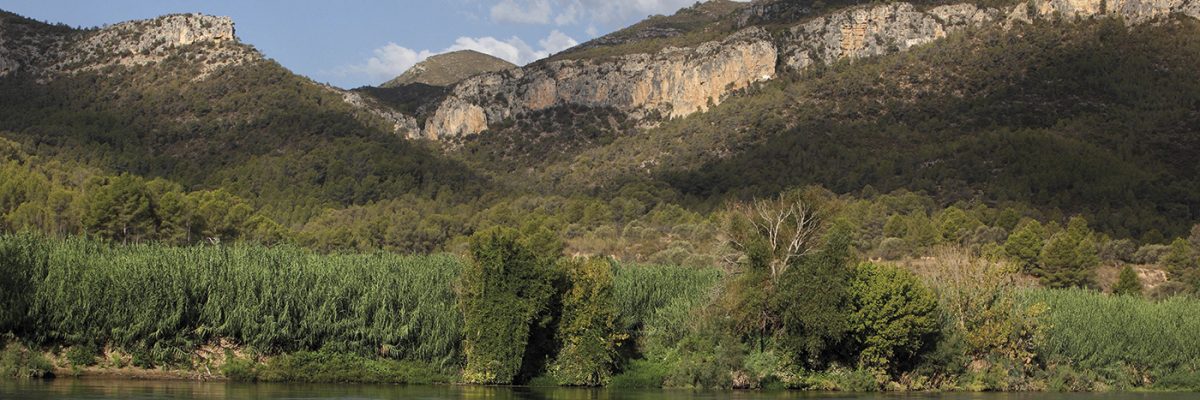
(872, 31)
(671, 83)
(149, 41)
(210, 40)
(679, 81)
(883, 29)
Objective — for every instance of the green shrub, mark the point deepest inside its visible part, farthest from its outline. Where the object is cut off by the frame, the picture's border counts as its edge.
(82, 355)
(327, 367)
(644, 374)
(17, 361)
(505, 291)
(895, 316)
(589, 329)
(239, 369)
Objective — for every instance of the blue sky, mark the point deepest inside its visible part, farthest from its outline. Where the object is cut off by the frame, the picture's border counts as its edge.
(357, 42)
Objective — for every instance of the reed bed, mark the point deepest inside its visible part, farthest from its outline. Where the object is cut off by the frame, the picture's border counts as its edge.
(168, 300)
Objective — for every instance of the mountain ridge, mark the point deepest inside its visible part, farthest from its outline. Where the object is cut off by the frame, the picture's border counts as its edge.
(659, 85)
(449, 68)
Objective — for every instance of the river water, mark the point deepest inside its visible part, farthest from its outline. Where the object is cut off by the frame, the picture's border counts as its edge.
(133, 389)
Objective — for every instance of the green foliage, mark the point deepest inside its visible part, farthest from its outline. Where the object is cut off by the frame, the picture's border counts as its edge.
(81, 355)
(815, 304)
(504, 292)
(988, 327)
(159, 302)
(1128, 283)
(1180, 258)
(657, 303)
(239, 369)
(706, 357)
(589, 330)
(1069, 258)
(1025, 244)
(641, 374)
(1105, 334)
(17, 361)
(895, 317)
(328, 367)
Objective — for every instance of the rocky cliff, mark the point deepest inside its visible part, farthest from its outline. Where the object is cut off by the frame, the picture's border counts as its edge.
(882, 29)
(46, 50)
(675, 82)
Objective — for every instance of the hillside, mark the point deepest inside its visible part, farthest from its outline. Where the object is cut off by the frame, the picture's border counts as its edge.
(181, 98)
(852, 196)
(449, 68)
(721, 101)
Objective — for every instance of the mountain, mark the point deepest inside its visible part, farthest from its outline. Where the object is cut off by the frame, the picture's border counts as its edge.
(180, 97)
(658, 72)
(1047, 108)
(449, 68)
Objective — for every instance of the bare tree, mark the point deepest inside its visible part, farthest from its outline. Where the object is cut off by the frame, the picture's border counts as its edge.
(787, 228)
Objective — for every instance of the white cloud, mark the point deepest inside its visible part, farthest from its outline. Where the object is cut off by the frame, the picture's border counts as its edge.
(529, 12)
(392, 59)
(556, 42)
(389, 61)
(571, 12)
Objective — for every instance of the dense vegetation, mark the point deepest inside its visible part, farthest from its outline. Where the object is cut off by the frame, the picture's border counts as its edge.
(871, 225)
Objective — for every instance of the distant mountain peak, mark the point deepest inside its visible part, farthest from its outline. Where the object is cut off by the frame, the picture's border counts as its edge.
(449, 68)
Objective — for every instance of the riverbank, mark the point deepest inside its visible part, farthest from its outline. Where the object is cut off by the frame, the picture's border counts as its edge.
(282, 314)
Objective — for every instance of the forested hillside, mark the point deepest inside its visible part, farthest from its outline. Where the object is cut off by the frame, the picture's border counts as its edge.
(822, 196)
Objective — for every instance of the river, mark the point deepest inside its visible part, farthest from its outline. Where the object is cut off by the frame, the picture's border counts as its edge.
(134, 389)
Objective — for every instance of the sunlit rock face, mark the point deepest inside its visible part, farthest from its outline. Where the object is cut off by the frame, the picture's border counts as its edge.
(676, 82)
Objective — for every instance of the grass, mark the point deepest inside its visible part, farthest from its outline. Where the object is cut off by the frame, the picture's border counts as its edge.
(18, 361)
(325, 367)
(655, 302)
(159, 302)
(1124, 341)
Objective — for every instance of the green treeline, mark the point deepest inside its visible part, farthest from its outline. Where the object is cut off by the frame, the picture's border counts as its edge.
(794, 306)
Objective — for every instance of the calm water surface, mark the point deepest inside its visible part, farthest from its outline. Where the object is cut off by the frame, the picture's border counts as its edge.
(131, 389)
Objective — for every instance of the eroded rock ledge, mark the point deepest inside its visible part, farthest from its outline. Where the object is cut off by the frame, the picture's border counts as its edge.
(676, 82)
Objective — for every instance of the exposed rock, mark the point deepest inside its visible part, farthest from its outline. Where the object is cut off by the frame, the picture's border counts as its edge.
(150, 41)
(872, 31)
(400, 124)
(47, 50)
(676, 82)
(673, 82)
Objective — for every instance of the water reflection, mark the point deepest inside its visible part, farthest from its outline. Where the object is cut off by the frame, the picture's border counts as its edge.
(130, 389)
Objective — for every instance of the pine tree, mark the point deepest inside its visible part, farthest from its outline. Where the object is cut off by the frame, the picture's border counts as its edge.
(1128, 283)
(1025, 244)
(1069, 257)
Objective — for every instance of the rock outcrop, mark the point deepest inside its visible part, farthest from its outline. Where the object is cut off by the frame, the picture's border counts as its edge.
(671, 83)
(59, 50)
(675, 82)
(877, 30)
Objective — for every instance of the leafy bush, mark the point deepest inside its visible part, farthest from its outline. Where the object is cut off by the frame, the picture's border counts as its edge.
(505, 291)
(326, 367)
(239, 369)
(642, 374)
(17, 361)
(82, 355)
(895, 317)
(589, 330)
